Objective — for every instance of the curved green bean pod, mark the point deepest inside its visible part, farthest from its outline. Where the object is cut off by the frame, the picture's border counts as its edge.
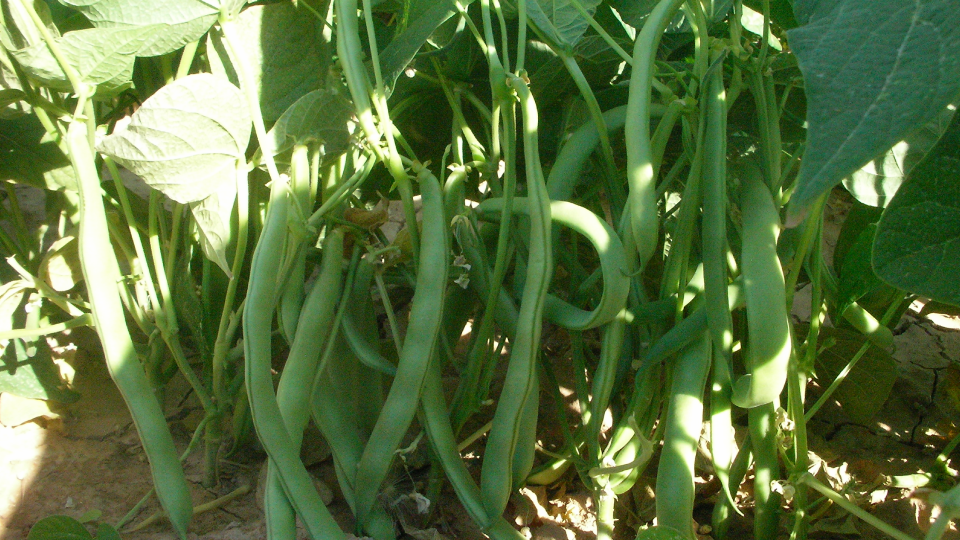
(293, 396)
(768, 323)
(361, 341)
(613, 262)
(497, 475)
(643, 216)
(436, 422)
(102, 275)
(418, 349)
(684, 420)
(267, 419)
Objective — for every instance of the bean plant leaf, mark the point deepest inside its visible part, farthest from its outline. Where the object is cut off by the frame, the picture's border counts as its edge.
(187, 20)
(60, 267)
(17, 29)
(281, 46)
(867, 387)
(877, 182)
(26, 367)
(560, 20)
(864, 99)
(321, 115)
(59, 528)
(918, 238)
(213, 218)
(400, 51)
(102, 57)
(29, 156)
(185, 139)
(856, 276)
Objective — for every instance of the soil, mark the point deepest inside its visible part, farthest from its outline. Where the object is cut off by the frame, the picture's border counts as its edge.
(87, 458)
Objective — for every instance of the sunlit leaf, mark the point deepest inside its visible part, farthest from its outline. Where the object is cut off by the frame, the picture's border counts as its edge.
(185, 139)
(101, 57)
(187, 20)
(864, 99)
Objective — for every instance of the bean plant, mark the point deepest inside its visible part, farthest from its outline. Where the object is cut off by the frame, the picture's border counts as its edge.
(643, 181)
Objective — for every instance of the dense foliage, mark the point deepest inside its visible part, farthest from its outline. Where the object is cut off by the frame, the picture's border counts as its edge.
(220, 179)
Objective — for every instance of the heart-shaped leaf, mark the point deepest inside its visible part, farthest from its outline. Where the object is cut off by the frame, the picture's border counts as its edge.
(320, 115)
(877, 182)
(102, 57)
(918, 238)
(213, 217)
(281, 47)
(187, 20)
(863, 99)
(185, 139)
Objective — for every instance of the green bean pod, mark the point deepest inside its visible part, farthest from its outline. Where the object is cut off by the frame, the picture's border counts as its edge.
(716, 276)
(293, 394)
(521, 386)
(419, 347)
(346, 394)
(359, 329)
(644, 221)
(101, 274)
(292, 297)
(763, 437)
(436, 423)
(768, 324)
(684, 421)
(613, 262)
(267, 418)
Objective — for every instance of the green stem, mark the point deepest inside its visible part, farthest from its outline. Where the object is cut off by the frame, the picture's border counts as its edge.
(808, 480)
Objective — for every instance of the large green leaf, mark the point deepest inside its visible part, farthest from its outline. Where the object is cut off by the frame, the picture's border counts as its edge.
(918, 238)
(559, 20)
(28, 156)
(213, 218)
(867, 387)
(873, 73)
(185, 139)
(59, 528)
(281, 46)
(102, 57)
(400, 51)
(877, 182)
(26, 367)
(321, 115)
(188, 20)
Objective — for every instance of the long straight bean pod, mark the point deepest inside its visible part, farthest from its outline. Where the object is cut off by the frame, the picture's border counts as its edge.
(264, 409)
(684, 421)
(101, 274)
(419, 346)
(521, 386)
(293, 393)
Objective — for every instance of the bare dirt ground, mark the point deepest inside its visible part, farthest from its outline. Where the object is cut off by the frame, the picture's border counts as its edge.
(87, 457)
